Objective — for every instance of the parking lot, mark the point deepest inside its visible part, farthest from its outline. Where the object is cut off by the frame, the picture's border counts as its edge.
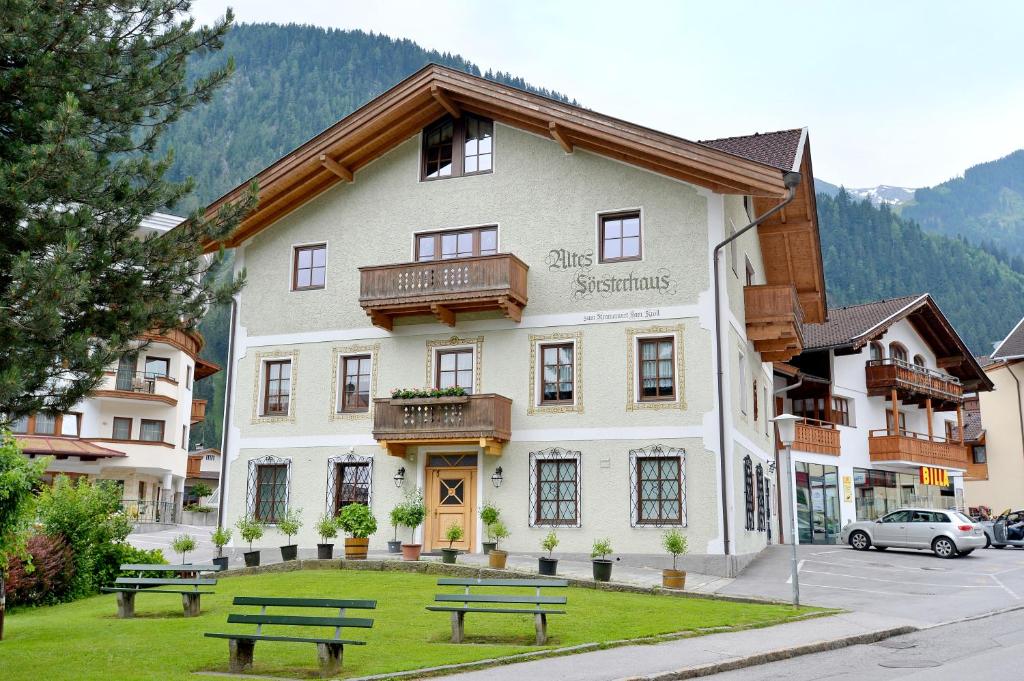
(911, 585)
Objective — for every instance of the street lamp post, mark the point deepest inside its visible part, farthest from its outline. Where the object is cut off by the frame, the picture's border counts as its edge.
(786, 424)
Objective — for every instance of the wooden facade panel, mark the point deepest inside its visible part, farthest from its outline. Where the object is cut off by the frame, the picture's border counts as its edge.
(774, 317)
(817, 436)
(916, 448)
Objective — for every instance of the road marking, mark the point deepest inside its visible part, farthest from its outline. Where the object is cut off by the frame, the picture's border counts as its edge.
(865, 591)
(1004, 587)
(896, 581)
(799, 567)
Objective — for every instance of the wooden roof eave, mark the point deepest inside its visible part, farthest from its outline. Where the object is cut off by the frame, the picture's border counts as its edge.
(388, 120)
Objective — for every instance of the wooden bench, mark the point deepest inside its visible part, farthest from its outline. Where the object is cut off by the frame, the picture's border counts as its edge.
(329, 650)
(127, 587)
(532, 602)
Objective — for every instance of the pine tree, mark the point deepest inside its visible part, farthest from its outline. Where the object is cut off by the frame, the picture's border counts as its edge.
(86, 90)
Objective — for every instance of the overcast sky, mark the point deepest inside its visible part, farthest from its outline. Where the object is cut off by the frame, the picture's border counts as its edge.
(905, 93)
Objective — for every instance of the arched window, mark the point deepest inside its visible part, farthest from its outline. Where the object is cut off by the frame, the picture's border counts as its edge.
(897, 351)
(876, 351)
(919, 361)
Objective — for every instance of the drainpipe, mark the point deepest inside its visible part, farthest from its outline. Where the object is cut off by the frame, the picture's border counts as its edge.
(791, 180)
(226, 421)
(1020, 407)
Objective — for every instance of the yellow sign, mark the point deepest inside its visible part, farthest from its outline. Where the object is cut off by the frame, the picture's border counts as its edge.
(934, 476)
(847, 488)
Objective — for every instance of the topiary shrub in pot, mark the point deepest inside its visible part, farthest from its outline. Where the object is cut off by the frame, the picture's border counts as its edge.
(327, 528)
(496, 558)
(220, 538)
(674, 543)
(452, 534)
(489, 515)
(411, 513)
(183, 544)
(289, 524)
(358, 521)
(546, 565)
(602, 566)
(251, 530)
(395, 545)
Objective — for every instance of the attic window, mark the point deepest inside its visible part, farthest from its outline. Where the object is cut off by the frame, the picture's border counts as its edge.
(454, 147)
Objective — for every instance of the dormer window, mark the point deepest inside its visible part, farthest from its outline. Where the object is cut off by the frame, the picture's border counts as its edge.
(454, 147)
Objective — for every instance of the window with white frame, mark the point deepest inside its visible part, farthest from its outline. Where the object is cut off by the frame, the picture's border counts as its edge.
(555, 488)
(657, 486)
(349, 479)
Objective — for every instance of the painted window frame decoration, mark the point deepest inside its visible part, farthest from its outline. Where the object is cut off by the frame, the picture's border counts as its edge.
(455, 343)
(337, 367)
(537, 405)
(636, 457)
(633, 338)
(554, 454)
(748, 492)
(332, 478)
(252, 481)
(261, 359)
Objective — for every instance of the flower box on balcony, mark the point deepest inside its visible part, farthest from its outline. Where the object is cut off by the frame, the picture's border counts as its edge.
(415, 401)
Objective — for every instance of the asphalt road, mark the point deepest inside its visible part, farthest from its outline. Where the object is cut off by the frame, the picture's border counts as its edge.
(986, 649)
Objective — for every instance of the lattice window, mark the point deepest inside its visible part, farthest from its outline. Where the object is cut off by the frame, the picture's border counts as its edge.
(761, 498)
(555, 488)
(349, 481)
(657, 486)
(748, 490)
(268, 488)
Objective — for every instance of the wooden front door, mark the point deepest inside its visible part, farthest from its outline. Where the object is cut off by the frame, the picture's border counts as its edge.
(451, 499)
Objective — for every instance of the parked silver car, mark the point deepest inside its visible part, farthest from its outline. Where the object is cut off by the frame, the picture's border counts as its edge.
(947, 533)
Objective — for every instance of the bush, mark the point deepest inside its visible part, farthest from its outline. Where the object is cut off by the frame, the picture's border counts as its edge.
(250, 529)
(183, 544)
(51, 576)
(601, 549)
(198, 508)
(675, 543)
(220, 537)
(549, 542)
(327, 528)
(411, 512)
(453, 534)
(290, 523)
(132, 555)
(357, 520)
(489, 515)
(499, 532)
(88, 516)
(201, 489)
(417, 393)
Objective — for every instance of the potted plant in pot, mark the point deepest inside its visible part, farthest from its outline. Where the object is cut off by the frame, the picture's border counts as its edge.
(251, 530)
(602, 566)
(675, 543)
(183, 544)
(358, 521)
(411, 515)
(496, 558)
(289, 524)
(327, 528)
(452, 534)
(489, 515)
(546, 565)
(220, 538)
(394, 545)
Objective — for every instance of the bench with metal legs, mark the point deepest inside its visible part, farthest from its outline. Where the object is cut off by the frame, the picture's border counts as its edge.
(534, 604)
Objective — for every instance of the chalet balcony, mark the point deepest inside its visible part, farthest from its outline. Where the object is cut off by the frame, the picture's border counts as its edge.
(479, 420)
(913, 384)
(443, 288)
(976, 472)
(816, 436)
(138, 385)
(198, 411)
(774, 319)
(916, 448)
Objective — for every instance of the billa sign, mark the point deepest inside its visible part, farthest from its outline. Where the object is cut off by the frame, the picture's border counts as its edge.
(934, 476)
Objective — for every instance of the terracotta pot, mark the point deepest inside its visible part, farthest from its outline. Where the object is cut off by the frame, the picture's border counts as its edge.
(673, 579)
(325, 551)
(602, 570)
(355, 548)
(289, 552)
(449, 555)
(411, 551)
(488, 547)
(221, 562)
(496, 559)
(252, 558)
(547, 566)
(394, 546)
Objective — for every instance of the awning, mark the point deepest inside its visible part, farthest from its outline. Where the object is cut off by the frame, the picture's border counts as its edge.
(205, 368)
(63, 447)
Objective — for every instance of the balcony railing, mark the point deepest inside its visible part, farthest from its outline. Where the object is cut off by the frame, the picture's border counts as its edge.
(885, 445)
(484, 419)
(813, 435)
(140, 385)
(198, 411)
(774, 319)
(884, 375)
(443, 288)
(135, 381)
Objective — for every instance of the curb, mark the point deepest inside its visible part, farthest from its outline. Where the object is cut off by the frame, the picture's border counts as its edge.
(776, 655)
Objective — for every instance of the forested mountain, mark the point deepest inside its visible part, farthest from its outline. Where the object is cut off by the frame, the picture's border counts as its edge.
(883, 193)
(871, 253)
(986, 205)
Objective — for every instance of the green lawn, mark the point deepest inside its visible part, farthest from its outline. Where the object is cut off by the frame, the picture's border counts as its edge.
(85, 640)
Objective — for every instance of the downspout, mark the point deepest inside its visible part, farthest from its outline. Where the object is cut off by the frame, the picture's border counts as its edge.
(790, 180)
(778, 464)
(1020, 407)
(226, 421)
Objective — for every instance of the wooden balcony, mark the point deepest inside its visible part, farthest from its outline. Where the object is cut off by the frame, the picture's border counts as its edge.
(478, 420)
(443, 288)
(916, 448)
(774, 319)
(198, 411)
(913, 384)
(821, 437)
(976, 471)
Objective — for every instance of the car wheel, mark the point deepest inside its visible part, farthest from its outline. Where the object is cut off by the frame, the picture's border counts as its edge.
(860, 541)
(944, 547)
